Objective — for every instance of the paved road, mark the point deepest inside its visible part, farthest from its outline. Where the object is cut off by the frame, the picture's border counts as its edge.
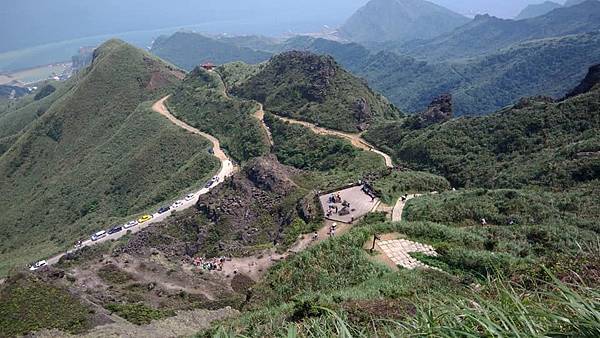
(355, 139)
(228, 168)
(399, 208)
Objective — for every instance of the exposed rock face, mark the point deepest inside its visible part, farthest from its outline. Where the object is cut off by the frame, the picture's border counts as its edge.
(268, 174)
(362, 113)
(439, 111)
(253, 207)
(591, 80)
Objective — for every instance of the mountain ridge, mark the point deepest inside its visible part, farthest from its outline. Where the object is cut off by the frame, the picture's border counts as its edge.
(400, 20)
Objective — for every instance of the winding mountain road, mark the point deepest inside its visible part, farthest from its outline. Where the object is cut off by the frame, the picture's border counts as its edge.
(228, 168)
(260, 116)
(356, 139)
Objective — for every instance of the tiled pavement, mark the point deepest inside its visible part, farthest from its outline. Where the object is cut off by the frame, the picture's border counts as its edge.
(398, 251)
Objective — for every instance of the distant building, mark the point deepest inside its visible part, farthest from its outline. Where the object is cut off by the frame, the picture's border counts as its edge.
(208, 66)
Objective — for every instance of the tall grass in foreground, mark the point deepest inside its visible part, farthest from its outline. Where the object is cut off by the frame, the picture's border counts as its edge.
(507, 311)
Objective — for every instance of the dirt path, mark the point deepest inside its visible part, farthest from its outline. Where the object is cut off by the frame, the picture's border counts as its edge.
(162, 109)
(256, 266)
(356, 139)
(260, 116)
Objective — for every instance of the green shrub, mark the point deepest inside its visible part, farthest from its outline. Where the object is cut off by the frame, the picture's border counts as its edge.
(138, 313)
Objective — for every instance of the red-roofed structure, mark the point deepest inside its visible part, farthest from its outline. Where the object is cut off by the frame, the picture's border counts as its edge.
(208, 66)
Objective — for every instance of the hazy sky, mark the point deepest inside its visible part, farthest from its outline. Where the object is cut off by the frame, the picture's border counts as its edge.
(28, 23)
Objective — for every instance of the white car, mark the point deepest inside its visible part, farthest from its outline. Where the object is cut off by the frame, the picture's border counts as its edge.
(130, 224)
(38, 265)
(189, 197)
(99, 235)
(177, 204)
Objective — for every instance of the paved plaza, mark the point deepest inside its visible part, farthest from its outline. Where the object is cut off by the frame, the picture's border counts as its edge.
(398, 251)
(359, 203)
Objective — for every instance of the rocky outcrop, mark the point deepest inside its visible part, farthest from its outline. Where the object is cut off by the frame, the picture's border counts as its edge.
(268, 174)
(439, 111)
(253, 207)
(363, 114)
(591, 80)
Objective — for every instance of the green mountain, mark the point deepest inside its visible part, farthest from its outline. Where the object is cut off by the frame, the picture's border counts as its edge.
(400, 20)
(482, 85)
(534, 10)
(91, 159)
(486, 34)
(316, 89)
(188, 50)
(537, 142)
(479, 86)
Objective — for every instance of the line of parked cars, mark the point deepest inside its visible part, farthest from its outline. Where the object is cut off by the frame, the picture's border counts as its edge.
(143, 219)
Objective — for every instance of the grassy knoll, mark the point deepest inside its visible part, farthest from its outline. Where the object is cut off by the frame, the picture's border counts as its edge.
(201, 101)
(315, 88)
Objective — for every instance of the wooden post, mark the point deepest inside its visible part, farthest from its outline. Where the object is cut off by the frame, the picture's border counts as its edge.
(375, 237)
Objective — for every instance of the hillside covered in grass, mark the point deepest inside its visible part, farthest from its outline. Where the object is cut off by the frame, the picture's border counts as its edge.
(202, 101)
(97, 154)
(537, 142)
(316, 89)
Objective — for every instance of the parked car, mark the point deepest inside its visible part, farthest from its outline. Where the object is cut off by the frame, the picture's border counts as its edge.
(114, 230)
(98, 235)
(163, 210)
(177, 204)
(189, 197)
(38, 265)
(211, 182)
(144, 219)
(130, 224)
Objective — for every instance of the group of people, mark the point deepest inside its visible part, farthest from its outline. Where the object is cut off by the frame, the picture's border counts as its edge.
(335, 199)
(213, 264)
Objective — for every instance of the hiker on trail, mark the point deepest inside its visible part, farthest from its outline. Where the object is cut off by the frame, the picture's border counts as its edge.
(483, 221)
(315, 236)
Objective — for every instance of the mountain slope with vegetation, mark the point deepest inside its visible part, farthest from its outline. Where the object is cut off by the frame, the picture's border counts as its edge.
(400, 20)
(487, 34)
(92, 158)
(316, 89)
(188, 50)
(479, 86)
(537, 142)
(202, 101)
(516, 261)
